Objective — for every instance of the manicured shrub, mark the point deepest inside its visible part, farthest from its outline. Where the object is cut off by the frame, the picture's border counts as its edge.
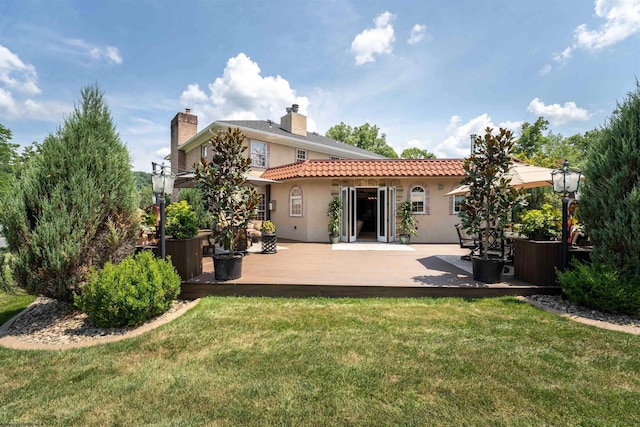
(131, 292)
(194, 198)
(73, 206)
(181, 220)
(601, 287)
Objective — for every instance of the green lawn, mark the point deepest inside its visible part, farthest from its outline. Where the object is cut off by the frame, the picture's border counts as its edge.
(326, 362)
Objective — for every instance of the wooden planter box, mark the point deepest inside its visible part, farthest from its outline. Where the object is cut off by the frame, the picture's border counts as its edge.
(186, 256)
(536, 261)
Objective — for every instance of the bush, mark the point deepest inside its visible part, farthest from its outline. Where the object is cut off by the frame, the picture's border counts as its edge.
(129, 293)
(181, 220)
(541, 224)
(601, 287)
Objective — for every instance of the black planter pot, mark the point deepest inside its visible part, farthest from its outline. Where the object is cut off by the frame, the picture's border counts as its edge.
(489, 270)
(227, 267)
(334, 238)
(404, 239)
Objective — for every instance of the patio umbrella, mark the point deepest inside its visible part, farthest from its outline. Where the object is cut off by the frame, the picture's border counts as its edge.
(522, 175)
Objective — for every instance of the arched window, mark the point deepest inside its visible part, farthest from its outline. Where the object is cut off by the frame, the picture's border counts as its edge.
(295, 202)
(417, 200)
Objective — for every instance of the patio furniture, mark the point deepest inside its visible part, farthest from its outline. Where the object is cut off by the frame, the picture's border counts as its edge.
(497, 244)
(467, 242)
(254, 230)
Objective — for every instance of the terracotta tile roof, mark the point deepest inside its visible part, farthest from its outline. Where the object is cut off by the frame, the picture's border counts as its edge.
(366, 168)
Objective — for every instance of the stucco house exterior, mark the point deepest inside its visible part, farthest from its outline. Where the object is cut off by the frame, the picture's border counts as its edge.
(298, 172)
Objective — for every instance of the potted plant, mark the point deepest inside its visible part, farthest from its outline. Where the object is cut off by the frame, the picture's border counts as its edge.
(334, 212)
(541, 224)
(183, 248)
(408, 223)
(231, 202)
(269, 238)
(487, 206)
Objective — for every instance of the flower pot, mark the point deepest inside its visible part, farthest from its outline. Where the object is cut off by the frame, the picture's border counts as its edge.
(490, 270)
(334, 238)
(404, 239)
(227, 267)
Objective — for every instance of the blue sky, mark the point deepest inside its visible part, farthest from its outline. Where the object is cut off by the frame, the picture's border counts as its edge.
(428, 73)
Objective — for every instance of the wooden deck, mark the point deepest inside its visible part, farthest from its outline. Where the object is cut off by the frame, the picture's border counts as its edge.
(357, 270)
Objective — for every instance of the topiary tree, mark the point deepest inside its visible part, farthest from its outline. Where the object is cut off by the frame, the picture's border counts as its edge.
(74, 204)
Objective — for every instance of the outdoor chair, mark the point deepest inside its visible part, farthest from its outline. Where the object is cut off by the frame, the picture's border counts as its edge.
(498, 247)
(467, 242)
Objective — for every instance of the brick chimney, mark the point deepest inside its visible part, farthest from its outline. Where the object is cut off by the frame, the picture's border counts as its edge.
(183, 126)
(294, 122)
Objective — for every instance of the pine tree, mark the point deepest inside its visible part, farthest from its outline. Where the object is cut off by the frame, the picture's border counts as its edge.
(610, 199)
(74, 204)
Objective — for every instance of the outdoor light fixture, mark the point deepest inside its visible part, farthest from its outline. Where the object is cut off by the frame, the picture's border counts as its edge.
(565, 182)
(161, 183)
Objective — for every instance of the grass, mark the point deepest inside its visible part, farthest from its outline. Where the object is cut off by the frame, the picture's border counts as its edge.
(321, 362)
(12, 304)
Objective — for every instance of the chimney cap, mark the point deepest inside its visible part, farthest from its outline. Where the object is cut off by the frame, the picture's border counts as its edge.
(288, 109)
(187, 110)
(294, 108)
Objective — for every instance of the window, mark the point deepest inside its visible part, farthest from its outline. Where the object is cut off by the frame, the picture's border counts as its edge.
(457, 201)
(295, 202)
(417, 200)
(301, 155)
(262, 204)
(259, 154)
(203, 151)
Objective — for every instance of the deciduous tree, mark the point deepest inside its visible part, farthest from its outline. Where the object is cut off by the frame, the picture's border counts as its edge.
(366, 137)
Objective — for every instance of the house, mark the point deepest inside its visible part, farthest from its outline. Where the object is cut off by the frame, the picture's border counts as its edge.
(298, 172)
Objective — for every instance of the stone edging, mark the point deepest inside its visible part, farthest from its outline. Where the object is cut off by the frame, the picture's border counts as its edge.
(597, 323)
(14, 343)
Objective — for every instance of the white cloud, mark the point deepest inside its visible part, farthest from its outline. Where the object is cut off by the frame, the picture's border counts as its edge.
(558, 114)
(242, 93)
(417, 34)
(18, 81)
(544, 70)
(622, 20)
(376, 40)
(458, 143)
(113, 55)
(163, 152)
(16, 75)
(110, 54)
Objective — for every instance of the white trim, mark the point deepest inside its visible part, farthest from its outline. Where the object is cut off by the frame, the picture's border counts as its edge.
(453, 204)
(422, 193)
(304, 156)
(296, 198)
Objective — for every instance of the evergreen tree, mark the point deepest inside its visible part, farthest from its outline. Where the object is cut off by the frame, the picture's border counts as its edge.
(610, 197)
(74, 204)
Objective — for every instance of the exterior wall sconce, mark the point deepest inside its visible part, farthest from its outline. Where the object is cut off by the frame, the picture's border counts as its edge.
(271, 205)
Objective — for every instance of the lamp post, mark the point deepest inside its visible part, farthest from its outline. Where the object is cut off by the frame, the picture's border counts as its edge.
(162, 183)
(565, 181)
(473, 137)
